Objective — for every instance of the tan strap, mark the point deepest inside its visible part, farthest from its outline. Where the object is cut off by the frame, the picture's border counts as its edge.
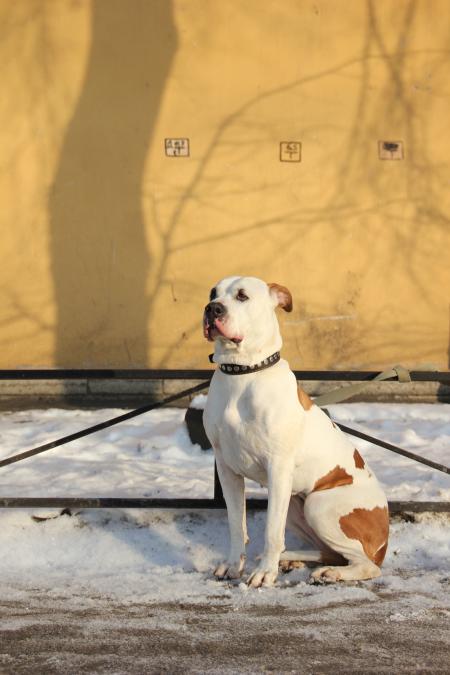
(343, 393)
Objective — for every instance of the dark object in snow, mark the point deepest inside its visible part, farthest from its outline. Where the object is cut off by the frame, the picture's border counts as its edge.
(196, 430)
(42, 517)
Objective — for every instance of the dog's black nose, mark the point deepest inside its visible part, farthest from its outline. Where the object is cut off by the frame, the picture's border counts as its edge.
(215, 310)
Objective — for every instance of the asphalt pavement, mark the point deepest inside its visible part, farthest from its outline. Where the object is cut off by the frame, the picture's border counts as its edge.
(46, 636)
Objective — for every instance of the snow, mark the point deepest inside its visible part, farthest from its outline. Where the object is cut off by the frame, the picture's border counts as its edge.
(167, 555)
(138, 556)
(152, 456)
(421, 428)
(148, 456)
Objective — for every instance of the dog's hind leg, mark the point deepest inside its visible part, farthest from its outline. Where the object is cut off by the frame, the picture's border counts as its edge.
(357, 533)
(297, 524)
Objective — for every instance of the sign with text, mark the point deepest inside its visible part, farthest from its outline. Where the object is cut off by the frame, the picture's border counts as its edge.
(177, 147)
(290, 151)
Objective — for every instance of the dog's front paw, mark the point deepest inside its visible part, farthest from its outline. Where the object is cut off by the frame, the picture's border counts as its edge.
(230, 569)
(262, 576)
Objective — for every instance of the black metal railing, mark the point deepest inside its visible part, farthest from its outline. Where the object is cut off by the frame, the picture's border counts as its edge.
(217, 501)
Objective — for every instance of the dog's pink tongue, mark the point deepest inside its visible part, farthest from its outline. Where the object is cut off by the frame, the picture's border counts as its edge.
(222, 330)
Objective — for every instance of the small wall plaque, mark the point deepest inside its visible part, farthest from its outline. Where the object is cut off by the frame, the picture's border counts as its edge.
(290, 151)
(177, 147)
(390, 149)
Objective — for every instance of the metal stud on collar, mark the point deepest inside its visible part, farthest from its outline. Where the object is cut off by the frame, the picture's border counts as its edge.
(233, 369)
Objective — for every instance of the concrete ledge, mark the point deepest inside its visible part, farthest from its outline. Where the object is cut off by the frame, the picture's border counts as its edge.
(126, 393)
(43, 387)
(151, 389)
(171, 387)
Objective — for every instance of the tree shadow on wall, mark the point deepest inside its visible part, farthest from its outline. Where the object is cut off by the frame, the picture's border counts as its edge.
(99, 252)
(358, 200)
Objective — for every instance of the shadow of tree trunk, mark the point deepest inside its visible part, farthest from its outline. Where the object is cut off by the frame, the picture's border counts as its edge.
(100, 258)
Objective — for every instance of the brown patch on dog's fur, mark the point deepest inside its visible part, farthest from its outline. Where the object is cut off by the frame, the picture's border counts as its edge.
(371, 528)
(334, 478)
(284, 296)
(359, 462)
(304, 399)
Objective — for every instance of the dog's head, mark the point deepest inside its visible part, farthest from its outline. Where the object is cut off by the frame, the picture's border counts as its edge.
(240, 319)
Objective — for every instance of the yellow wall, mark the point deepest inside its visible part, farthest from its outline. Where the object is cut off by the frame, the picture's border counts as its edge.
(109, 248)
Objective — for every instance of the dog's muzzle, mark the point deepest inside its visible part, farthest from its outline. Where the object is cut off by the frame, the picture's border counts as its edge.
(215, 313)
(215, 323)
(215, 310)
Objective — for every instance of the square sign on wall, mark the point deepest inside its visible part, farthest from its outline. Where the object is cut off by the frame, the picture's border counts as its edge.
(290, 151)
(177, 147)
(390, 149)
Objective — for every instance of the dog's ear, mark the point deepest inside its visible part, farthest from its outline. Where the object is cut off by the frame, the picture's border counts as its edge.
(282, 296)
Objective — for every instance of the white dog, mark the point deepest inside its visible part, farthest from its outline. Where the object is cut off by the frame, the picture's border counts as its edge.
(262, 426)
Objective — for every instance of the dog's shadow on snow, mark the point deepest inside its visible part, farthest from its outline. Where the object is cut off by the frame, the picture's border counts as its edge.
(187, 541)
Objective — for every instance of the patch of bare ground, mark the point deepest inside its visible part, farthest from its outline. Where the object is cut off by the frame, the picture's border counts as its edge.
(350, 637)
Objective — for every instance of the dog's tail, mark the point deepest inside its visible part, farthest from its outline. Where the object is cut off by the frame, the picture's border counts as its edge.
(301, 556)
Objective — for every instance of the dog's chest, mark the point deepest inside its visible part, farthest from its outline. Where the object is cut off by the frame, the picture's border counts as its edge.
(244, 428)
(242, 441)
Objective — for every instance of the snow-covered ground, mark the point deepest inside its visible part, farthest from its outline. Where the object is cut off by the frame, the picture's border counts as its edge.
(155, 556)
(152, 456)
(162, 556)
(132, 592)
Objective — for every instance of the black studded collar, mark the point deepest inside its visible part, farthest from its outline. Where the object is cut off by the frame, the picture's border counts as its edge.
(233, 369)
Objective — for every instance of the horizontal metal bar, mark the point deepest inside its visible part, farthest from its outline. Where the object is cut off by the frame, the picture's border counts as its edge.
(106, 374)
(167, 503)
(107, 503)
(149, 374)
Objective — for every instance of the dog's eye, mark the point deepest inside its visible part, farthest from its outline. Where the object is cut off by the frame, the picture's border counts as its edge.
(241, 296)
(213, 295)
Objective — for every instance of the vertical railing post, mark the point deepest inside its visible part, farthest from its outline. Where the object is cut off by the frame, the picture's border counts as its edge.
(219, 501)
